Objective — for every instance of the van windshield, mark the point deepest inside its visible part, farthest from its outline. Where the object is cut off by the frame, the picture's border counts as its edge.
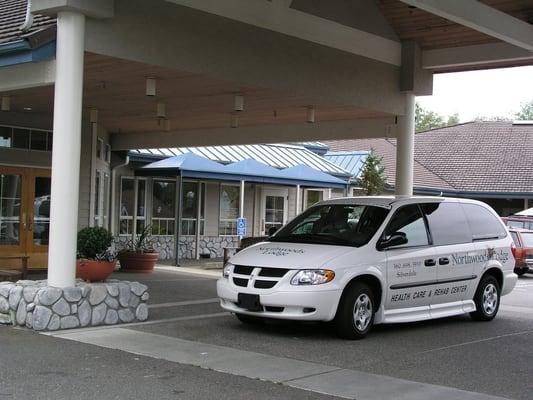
(334, 224)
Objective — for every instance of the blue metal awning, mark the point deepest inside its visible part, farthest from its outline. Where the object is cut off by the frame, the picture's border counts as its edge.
(190, 165)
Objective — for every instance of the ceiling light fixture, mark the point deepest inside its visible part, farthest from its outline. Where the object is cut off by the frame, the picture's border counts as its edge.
(6, 103)
(93, 118)
(234, 120)
(150, 86)
(27, 108)
(238, 102)
(310, 114)
(161, 110)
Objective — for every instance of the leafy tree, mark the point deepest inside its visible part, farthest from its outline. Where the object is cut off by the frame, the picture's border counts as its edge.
(373, 176)
(526, 111)
(426, 120)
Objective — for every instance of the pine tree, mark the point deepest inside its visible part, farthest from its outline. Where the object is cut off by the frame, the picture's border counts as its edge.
(373, 176)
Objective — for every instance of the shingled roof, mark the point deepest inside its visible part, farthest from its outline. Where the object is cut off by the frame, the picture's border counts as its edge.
(12, 15)
(491, 157)
(480, 156)
(386, 148)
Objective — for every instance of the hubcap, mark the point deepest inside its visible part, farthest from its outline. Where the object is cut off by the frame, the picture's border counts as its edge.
(362, 312)
(490, 299)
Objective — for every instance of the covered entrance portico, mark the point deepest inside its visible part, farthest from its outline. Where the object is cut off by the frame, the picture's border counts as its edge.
(138, 74)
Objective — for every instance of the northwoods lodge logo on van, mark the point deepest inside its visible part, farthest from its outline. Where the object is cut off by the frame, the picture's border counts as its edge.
(279, 251)
(490, 254)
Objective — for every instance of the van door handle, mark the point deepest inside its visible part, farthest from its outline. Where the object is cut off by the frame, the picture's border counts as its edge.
(444, 261)
(430, 262)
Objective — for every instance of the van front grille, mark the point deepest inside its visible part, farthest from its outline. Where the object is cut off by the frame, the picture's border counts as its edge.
(242, 273)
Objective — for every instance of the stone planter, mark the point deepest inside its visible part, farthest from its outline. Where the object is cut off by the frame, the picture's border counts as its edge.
(131, 261)
(93, 270)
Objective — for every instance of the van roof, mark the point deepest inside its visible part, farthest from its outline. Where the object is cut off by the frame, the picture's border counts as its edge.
(388, 201)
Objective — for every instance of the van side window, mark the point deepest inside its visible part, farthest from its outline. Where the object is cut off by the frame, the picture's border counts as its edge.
(483, 224)
(447, 223)
(408, 220)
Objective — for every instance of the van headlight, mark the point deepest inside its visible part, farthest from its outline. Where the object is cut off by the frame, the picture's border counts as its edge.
(226, 270)
(313, 277)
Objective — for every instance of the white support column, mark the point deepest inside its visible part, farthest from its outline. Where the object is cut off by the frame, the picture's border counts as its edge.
(66, 149)
(298, 199)
(198, 218)
(241, 201)
(405, 148)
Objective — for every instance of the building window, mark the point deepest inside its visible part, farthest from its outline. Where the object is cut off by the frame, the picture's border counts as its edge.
(163, 211)
(127, 206)
(97, 197)
(229, 210)
(127, 197)
(108, 153)
(189, 211)
(313, 197)
(100, 149)
(25, 139)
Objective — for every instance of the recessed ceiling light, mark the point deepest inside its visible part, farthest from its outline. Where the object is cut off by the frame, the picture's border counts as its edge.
(27, 109)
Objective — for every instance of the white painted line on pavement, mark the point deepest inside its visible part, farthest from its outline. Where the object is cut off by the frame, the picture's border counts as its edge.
(304, 375)
(190, 271)
(151, 322)
(184, 303)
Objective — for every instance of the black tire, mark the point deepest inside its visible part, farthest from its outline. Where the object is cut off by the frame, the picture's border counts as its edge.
(486, 309)
(249, 319)
(345, 322)
(520, 271)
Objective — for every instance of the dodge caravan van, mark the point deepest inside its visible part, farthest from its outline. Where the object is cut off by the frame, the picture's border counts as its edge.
(371, 260)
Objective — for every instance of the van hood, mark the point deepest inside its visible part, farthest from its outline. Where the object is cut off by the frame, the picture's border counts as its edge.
(289, 255)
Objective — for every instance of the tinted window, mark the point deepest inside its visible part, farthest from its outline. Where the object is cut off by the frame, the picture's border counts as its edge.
(515, 224)
(514, 235)
(336, 224)
(408, 220)
(483, 224)
(447, 223)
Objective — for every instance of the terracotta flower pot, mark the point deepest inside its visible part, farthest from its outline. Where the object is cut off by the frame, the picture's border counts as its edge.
(131, 261)
(93, 271)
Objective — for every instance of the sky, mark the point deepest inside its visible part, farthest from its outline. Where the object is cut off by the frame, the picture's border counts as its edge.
(496, 92)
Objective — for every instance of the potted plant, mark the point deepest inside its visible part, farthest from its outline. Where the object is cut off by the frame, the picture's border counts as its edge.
(95, 261)
(139, 255)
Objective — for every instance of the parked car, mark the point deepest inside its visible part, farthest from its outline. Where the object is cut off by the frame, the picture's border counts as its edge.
(370, 260)
(523, 240)
(522, 219)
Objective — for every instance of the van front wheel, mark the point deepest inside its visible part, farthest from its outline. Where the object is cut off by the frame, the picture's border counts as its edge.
(355, 315)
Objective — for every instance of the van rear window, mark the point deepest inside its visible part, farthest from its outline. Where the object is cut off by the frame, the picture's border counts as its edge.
(483, 224)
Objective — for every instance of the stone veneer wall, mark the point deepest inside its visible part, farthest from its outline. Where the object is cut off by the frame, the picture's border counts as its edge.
(44, 308)
(209, 245)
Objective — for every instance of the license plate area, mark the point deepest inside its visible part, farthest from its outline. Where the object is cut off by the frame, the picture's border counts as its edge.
(249, 302)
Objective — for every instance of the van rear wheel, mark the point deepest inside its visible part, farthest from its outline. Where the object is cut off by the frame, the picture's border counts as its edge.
(487, 299)
(355, 315)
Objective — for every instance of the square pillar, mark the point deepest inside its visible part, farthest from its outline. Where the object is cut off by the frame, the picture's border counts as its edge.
(405, 148)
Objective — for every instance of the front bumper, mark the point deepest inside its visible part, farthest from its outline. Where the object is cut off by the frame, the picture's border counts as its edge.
(297, 304)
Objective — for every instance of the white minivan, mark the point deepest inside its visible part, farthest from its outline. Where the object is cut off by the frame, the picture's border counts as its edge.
(370, 260)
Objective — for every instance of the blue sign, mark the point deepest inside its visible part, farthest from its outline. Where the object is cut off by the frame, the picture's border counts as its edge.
(241, 226)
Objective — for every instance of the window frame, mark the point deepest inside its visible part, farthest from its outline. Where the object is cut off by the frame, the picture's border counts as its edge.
(393, 215)
(234, 220)
(166, 219)
(202, 219)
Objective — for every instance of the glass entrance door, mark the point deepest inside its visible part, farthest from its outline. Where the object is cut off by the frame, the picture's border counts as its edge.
(274, 206)
(25, 213)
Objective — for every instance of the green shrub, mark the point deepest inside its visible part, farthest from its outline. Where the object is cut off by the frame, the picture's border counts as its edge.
(93, 242)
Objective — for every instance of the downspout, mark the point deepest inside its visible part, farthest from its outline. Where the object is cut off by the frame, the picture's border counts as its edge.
(113, 190)
(28, 21)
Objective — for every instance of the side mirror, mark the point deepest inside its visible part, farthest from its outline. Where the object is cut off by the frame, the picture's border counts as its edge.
(272, 230)
(396, 239)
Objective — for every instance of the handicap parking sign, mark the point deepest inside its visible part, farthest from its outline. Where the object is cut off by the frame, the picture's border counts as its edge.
(241, 226)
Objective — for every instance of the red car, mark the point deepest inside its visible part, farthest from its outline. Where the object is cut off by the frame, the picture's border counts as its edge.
(523, 240)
